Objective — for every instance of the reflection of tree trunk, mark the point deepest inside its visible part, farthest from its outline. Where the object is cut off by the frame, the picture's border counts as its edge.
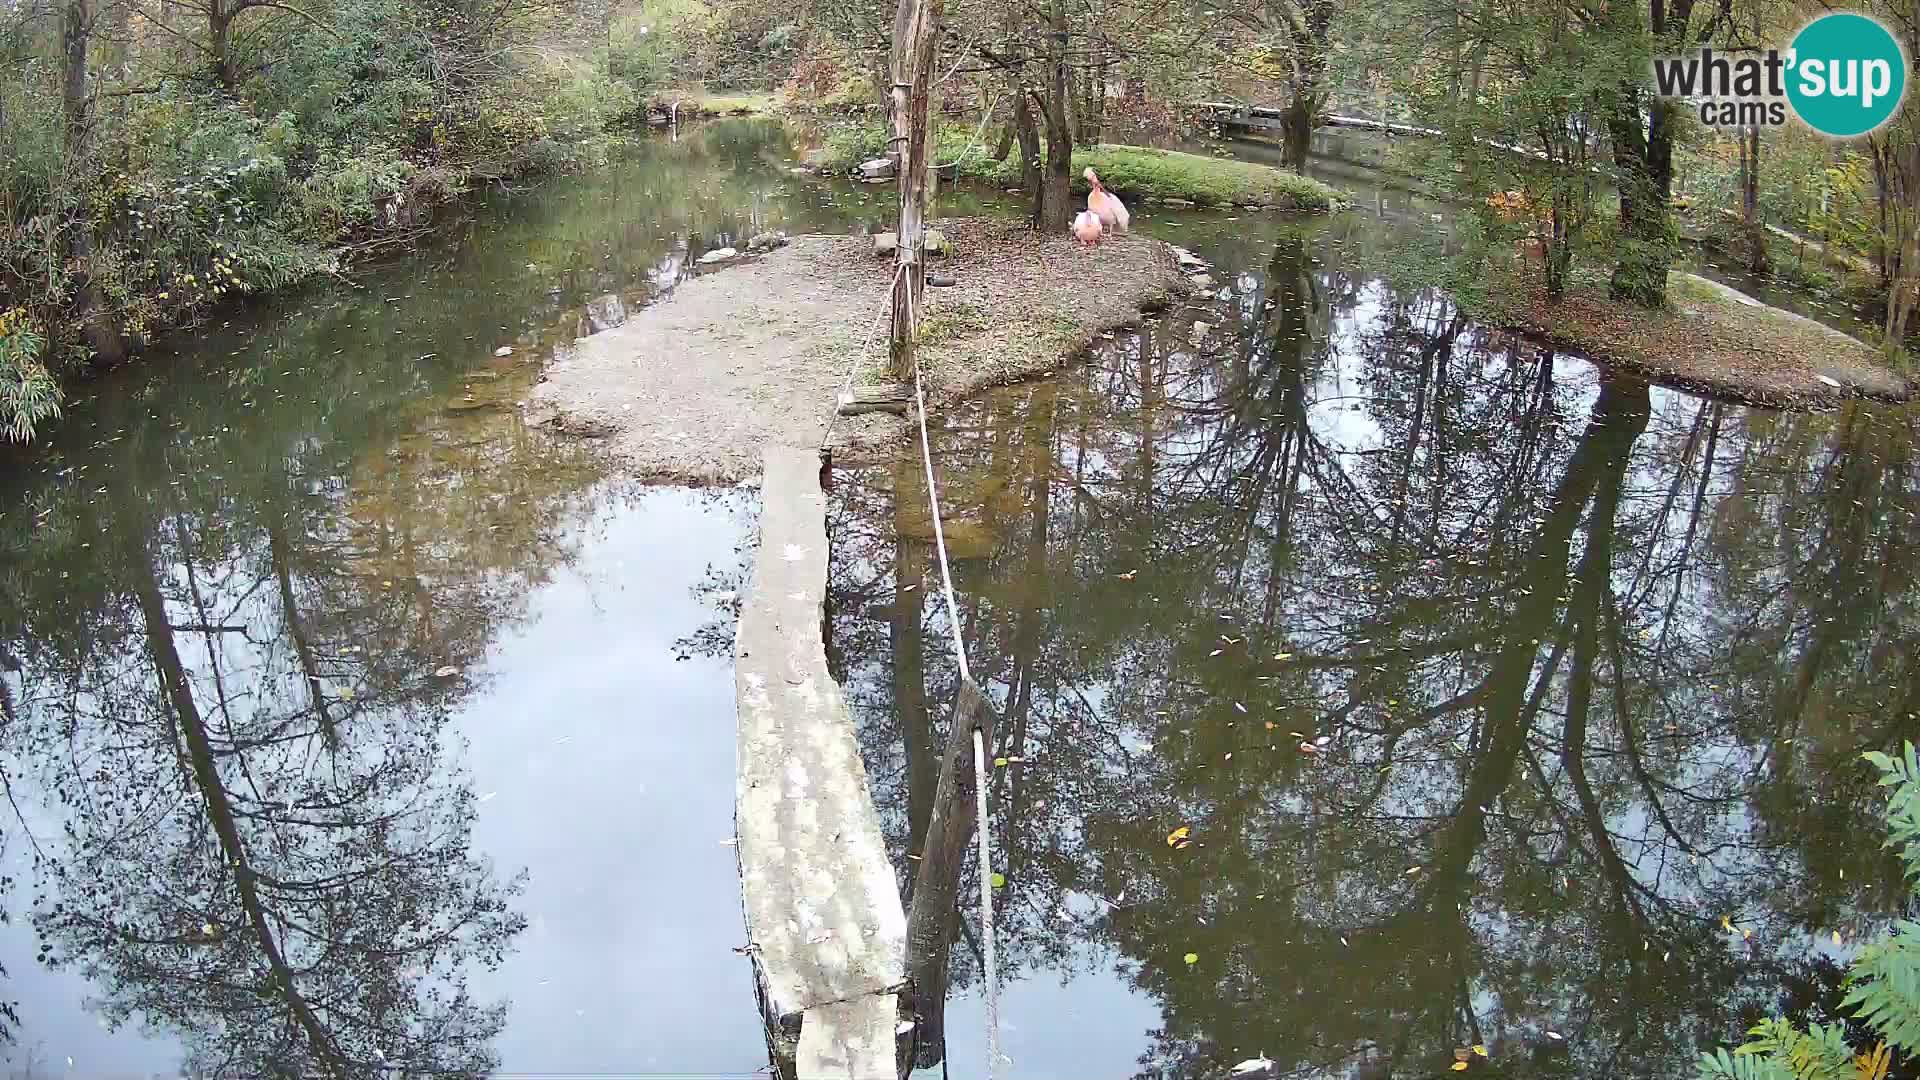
(281, 554)
(192, 731)
(934, 914)
(1026, 627)
(909, 668)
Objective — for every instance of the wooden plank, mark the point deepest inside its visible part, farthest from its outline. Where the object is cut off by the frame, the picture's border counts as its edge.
(936, 884)
(822, 911)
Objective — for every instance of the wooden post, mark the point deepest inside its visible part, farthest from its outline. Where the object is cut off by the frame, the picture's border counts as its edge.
(934, 914)
(916, 29)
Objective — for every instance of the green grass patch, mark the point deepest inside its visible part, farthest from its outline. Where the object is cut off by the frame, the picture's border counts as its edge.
(705, 104)
(1134, 172)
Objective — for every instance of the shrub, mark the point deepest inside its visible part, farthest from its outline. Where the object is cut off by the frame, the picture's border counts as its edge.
(1883, 982)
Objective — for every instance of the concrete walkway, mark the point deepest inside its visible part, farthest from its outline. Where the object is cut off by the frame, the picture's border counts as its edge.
(823, 914)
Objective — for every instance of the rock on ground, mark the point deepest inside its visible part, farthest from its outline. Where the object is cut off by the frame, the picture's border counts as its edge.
(692, 388)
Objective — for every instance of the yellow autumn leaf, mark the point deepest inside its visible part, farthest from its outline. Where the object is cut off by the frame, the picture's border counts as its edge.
(1192, 958)
(1178, 835)
(1459, 1066)
(1836, 937)
(1480, 1048)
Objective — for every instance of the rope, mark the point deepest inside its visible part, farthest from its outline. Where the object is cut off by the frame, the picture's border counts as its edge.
(992, 974)
(939, 533)
(853, 366)
(989, 961)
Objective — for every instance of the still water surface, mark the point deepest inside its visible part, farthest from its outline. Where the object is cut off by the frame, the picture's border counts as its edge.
(359, 725)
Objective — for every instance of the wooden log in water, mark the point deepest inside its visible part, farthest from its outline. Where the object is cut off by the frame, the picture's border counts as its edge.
(934, 915)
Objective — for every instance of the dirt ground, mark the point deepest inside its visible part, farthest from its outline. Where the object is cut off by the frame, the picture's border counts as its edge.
(756, 351)
(1718, 341)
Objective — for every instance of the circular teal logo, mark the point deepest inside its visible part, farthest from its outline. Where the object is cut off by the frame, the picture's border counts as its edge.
(1846, 74)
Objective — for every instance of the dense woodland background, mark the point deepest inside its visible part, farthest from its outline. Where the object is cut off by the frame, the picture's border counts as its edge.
(160, 157)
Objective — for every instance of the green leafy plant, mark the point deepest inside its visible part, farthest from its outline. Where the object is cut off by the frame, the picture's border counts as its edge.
(1883, 982)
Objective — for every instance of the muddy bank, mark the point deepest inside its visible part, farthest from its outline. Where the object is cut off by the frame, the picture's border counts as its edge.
(1714, 340)
(755, 351)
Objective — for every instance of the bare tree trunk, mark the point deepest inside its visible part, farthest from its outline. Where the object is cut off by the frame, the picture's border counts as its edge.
(1755, 229)
(1056, 192)
(1027, 129)
(913, 53)
(98, 327)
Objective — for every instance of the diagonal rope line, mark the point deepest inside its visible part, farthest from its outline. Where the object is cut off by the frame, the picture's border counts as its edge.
(989, 959)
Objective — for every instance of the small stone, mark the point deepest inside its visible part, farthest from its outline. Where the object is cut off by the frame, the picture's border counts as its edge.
(504, 350)
(941, 281)
(718, 255)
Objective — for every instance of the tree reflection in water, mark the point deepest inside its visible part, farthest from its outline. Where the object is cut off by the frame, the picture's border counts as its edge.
(1488, 684)
(236, 669)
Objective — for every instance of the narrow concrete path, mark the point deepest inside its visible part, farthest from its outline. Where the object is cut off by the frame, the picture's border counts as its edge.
(823, 913)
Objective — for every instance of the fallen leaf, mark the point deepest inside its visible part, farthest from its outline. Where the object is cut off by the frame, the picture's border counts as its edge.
(1283, 656)
(1556, 1036)
(1480, 1048)
(446, 672)
(999, 881)
(1412, 870)
(1192, 958)
(1178, 837)
(1000, 762)
(1459, 1066)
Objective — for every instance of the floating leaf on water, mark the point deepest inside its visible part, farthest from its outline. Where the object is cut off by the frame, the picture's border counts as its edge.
(1283, 656)
(1480, 1048)
(1239, 706)
(1459, 1066)
(1178, 837)
(504, 350)
(999, 881)
(1556, 1036)
(1000, 763)
(1309, 748)
(1192, 958)
(1412, 870)
(1343, 940)
(446, 672)
(1216, 652)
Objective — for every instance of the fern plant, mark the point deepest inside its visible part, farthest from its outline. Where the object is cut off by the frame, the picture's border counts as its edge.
(1883, 982)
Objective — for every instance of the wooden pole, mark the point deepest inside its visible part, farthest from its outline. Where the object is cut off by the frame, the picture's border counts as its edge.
(916, 30)
(934, 915)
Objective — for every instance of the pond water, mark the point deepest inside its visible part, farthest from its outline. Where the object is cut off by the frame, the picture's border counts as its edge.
(355, 725)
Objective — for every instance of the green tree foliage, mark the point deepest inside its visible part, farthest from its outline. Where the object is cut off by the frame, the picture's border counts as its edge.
(1883, 982)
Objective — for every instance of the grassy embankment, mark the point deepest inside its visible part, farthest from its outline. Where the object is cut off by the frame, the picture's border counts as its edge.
(1709, 338)
(1134, 172)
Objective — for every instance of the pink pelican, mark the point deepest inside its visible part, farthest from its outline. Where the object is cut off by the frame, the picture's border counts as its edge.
(1087, 228)
(1112, 212)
